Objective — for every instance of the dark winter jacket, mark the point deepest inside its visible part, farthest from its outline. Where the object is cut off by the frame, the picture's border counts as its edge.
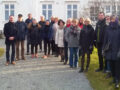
(112, 40)
(86, 39)
(47, 33)
(42, 23)
(34, 34)
(100, 32)
(51, 29)
(21, 30)
(10, 31)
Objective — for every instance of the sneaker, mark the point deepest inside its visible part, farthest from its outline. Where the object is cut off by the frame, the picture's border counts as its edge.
(81, 71)
(13, 63)
(7, 63)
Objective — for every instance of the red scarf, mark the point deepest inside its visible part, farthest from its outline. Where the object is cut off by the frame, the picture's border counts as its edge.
(68, 25)
(80, 25)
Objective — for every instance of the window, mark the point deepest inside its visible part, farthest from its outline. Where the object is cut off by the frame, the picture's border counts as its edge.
(47, 11)
(9, 10)
(107, 9)
(113, 9)
(94, 13)
(118, 10)
(72, 11)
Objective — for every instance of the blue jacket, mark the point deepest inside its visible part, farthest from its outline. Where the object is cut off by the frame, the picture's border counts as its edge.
(112, 36)
(21, 30)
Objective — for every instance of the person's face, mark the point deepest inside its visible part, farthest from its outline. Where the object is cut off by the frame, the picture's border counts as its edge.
(74, 23)
(47, 23)
(113, 19)
(68, 22)
(30, 16)
(81, 20)
(11, 19)
(42, 18)
(108, 19)
(86, 22)
(101, 16)
(52, 19)
(34, 22)
(20, 18)
(61, 24)
(56, 20)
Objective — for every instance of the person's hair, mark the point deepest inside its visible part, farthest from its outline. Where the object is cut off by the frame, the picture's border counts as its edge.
(102, 13)
(113, 17)
(61, 21)
(20, 15)
(74, 21)
(88, 19)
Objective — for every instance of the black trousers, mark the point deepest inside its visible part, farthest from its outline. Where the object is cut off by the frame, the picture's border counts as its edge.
(115, 69)
(34, 48)
(40, 45)
(8, 52)
(28, 43)
(66, 51)
(100, 56)
(83, 60)
(47, 46)
(53, 46)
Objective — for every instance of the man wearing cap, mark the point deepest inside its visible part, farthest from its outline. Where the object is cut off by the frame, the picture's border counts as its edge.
(20, 37)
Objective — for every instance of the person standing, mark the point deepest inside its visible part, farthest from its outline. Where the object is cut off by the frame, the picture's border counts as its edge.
(72, 38)
(60, 38)
(66, 29)
(42, 23)
(55, 27)
(99, 38)
(10, 32)
(20, 37)
(47, 39)
(34, 29)
(86, 43)
(111, 48)
(52, 42)
(28, 21)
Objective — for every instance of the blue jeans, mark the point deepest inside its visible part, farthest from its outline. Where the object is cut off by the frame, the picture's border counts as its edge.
(73, 57)
(66, 51)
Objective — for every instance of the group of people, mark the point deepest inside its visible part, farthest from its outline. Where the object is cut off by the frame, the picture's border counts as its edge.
(77, 36)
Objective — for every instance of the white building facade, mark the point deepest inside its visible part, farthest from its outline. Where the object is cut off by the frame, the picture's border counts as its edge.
(60, 8)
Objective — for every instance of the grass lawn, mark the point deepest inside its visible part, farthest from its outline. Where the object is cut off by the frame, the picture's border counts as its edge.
(1, 52)
(97, 79)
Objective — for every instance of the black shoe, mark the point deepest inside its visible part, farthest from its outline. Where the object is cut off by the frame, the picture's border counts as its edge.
(81, 71)
(71, 66)
(98, 70)
(27, 53)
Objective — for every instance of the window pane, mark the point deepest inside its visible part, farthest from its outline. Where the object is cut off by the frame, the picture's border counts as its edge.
(75, 14)
(6, 15)
(74, 6)
(12, 12)
(6, 6)
(12, 6)
(49, 14)
(44, 13)
(107, 9)
(69, 6)
(49, 6)
(43, 6)
(69, 15)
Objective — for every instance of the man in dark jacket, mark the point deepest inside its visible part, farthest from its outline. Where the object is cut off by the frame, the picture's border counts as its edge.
(10, 35)
(99, 38)
(42, 24)
(28, 21)
(20, 38)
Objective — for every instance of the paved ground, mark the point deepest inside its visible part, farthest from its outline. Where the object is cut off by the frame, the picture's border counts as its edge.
(40, 74)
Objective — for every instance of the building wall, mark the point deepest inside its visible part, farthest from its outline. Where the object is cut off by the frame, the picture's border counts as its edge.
(59, 8)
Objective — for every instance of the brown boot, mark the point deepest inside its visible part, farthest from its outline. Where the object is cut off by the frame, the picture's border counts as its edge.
(13, 63)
